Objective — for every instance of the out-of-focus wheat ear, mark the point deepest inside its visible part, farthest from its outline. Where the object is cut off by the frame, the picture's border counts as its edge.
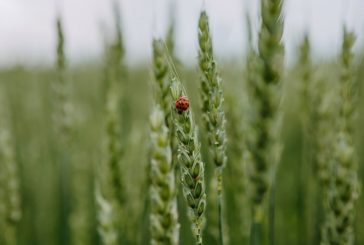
(112, 186)
(63, 109)
(62, 121)
(114, 120)
(324, 100)
(212, 109)
(107, 227)
(189, 160)
(304, 181)
(10, 196)
(81, 213)
(237, 180)
(265, 148)
(164, 225)
(113, 149)
(343, 189)
(163, 102)
(161, 77)
(69, 169)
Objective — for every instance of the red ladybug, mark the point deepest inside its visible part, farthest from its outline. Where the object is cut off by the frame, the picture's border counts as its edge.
(182, 104)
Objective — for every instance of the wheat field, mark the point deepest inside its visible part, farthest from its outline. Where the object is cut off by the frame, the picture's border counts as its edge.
(252, 152)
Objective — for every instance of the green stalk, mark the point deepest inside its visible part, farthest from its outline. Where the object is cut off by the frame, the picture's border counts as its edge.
(256, 233)
(271, 211)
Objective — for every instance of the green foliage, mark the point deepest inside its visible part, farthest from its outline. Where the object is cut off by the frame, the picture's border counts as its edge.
(29, 104)
(74, 160)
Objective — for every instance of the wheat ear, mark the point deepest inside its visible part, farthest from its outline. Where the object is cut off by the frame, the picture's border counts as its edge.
(163, 218)
(343, 188)
(212, 108)
(266, 95)
(189, 159)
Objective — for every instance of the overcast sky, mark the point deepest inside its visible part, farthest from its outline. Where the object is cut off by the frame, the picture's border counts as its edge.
(27, 33)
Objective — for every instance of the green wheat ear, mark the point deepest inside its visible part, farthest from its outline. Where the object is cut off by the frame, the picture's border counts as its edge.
(343, 189)
(63, 120)
(212, 109)
(161, 77)
(163, 108)
(106, 219)
(237, 180)
(10, 196)
(212, 95)
(63, 108)
(265, 87)
(164, 218)
(112, 190)
(189, 159)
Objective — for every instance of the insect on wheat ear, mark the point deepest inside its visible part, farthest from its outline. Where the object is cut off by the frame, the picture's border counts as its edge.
(182, 104)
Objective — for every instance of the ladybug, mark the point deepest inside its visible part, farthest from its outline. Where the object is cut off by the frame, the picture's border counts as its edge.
(182, 104)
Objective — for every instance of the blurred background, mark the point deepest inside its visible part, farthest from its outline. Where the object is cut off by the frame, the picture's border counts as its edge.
(57, 139)
(28, 27)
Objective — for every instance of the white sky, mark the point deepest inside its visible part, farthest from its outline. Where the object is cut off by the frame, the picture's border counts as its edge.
(27, 31)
